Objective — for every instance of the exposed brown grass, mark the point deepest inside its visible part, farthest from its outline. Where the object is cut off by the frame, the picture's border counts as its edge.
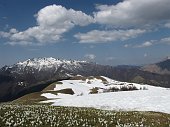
(30, 98)
(78, 78)
(51, 86)
(65, 91)
(101, 78)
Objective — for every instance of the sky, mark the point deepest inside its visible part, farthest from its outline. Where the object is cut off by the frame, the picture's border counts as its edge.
(109, 32)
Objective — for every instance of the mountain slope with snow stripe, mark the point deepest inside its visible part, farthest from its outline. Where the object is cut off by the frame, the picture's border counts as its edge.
(35, 74)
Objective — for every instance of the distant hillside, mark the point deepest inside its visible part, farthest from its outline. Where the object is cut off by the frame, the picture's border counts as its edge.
(137, 75)
(162, 67)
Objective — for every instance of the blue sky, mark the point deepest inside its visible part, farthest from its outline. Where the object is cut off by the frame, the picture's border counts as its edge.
(112, 32)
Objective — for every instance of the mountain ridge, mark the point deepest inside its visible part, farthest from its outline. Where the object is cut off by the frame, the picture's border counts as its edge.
(20, 77)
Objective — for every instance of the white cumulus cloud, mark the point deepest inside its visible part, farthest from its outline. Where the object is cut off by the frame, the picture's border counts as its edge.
(52, 22)
(145, 44)
(90, 56)
(110, 58)
(145, 55)
(4, 34)
(133, 13)
(97, 36)
(167, 25)
(165, 40)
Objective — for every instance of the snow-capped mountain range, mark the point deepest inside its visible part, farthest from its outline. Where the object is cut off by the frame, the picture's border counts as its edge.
(47, 63)
(38, 72)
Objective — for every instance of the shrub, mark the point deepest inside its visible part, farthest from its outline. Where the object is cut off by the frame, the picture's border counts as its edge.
(94, 90)
(128, 88)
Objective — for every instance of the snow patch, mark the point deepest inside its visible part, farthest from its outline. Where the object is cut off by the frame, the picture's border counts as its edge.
(146, 100)
(152, 99)
(49, 95)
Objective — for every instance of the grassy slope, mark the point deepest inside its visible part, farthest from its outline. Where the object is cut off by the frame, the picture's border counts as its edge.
(46, 116)
(34, 98)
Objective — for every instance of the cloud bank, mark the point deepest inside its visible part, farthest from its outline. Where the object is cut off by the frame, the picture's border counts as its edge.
(97, 36)
(130, 18)
(52, 22)
(90, 56)
(126, 20)
(133, 13)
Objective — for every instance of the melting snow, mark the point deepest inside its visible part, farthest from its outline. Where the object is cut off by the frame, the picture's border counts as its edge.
(152, 99)
(49, 95)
